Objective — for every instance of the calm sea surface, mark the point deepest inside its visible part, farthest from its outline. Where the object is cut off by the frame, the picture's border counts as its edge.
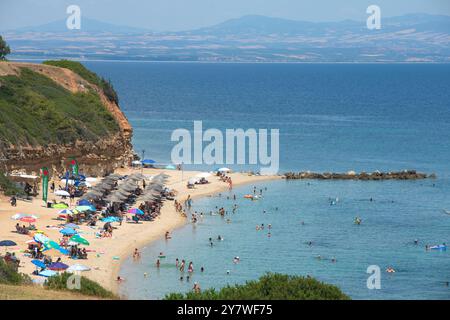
(331, 118)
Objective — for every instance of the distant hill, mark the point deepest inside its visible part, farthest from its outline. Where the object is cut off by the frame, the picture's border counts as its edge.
(252, 38)
(262, 25)
(87, 26)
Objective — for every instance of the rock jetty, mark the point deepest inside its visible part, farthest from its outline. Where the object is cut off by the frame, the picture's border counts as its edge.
(351, 175)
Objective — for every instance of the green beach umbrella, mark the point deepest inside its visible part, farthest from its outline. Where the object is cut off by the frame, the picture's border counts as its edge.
(78, 239)
(85, 208)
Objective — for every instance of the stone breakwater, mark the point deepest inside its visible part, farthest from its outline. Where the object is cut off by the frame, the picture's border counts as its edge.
(399, 175)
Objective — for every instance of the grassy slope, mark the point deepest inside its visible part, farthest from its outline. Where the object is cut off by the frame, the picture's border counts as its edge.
(87, 75)
(24, 292)
(35, 110)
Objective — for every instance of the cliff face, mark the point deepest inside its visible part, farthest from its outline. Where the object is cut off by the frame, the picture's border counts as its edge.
(96, 155)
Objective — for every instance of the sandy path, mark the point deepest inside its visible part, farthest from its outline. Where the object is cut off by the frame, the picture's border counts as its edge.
(109, 252)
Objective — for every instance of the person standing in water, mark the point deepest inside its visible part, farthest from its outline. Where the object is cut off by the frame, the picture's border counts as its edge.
(182, 265)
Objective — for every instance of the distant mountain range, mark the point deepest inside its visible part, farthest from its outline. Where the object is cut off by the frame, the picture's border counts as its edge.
(408, 38)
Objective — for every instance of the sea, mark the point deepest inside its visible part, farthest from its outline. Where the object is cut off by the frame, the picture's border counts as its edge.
(331, 118)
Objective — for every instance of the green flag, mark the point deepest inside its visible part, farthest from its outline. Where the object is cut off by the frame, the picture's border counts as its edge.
(74, 166)
(44, 174)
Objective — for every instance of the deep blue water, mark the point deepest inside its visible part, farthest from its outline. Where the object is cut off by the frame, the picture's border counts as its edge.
(331, 118)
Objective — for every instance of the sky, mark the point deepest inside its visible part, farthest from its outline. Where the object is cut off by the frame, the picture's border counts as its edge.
(177, 15)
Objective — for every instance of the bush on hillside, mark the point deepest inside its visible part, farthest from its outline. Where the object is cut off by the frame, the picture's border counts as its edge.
(87, 286)
(272, 286)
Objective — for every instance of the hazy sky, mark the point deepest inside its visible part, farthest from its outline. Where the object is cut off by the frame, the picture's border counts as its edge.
(171, 15)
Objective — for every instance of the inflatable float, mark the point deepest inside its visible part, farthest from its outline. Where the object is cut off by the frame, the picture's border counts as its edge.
(439, 247)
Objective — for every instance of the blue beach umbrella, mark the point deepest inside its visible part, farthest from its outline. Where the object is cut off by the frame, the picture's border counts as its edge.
(7, 243)
(110, 219)
(67, 231)
(86, 208)
(148, 161)
(47, 273)
(39, 264)
(84, 202)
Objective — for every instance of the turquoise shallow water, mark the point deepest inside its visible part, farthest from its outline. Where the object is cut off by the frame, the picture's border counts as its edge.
(331, 118)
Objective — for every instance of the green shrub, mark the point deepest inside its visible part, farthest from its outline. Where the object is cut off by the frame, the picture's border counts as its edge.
(272, 286)
(9, 274)
(87, 75)
(87, 287)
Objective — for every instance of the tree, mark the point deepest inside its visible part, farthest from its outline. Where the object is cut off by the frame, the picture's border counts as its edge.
(272, 286)
(4, 49)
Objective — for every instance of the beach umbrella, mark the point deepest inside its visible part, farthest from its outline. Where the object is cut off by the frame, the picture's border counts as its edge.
(47, 273)
(67, 231)
(148, 161)
(84, 203)
(62, 193)
(51, 245)
(71, 225)
(224, 170)
(110, 219)
(78, 239)
(58, 266)
(38, 263)
(85, 208)
(135, 211)
(65, 211)
(7, 243)
(78, 268)
(136, 162)
(28, 219)
(19, 216)
(39, 237)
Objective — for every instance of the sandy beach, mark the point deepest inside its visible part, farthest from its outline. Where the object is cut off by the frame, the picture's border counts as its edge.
(107, 254)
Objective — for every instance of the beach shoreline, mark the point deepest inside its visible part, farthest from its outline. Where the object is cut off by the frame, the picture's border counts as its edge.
(107, 254)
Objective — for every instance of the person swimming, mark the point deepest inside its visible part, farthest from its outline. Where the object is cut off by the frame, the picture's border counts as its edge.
(158, 263)
(390, 270)
(219, 238)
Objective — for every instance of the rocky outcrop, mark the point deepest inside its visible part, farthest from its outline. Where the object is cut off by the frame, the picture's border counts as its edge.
(94, 157)
(399, 175)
